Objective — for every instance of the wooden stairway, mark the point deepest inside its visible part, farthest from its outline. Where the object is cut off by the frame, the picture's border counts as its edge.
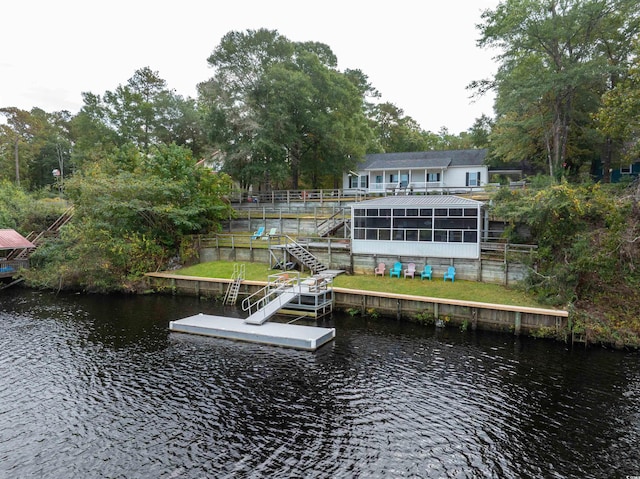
(38, 238)
(333, 224)
(304, 257)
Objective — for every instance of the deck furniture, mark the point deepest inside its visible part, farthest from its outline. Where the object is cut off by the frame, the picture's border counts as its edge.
(380, 269)
(410, 272)
(396, 270)
(450, 274)
(272, 232)
(426, 272)
(258, 233)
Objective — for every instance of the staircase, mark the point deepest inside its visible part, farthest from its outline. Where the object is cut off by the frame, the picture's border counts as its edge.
(264, 303)
(231, 296)
(304, 257)
(333, 224)
(38, 238)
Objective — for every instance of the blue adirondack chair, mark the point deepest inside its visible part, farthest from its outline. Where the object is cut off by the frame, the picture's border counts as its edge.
(258, 233)
(450, 274)
(396, 270)
(426, 272)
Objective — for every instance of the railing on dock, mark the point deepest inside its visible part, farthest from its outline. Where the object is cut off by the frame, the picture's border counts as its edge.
(276, 285)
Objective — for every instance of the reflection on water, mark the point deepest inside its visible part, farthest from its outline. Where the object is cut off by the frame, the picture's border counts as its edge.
(96, 386)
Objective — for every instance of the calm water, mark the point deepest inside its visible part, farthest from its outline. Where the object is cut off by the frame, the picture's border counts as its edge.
(96, 387)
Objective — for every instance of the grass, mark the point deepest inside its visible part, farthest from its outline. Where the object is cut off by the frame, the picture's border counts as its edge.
(437, 288)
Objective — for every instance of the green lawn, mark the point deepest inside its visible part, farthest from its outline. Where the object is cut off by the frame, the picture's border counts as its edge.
(463, 290)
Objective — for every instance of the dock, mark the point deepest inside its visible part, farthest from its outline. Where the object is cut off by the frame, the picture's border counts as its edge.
(312, 296)
(307, 338)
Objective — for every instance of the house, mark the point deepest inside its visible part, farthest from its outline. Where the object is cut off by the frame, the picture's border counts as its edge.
(448, 171)
(442, 226)
(626, 172)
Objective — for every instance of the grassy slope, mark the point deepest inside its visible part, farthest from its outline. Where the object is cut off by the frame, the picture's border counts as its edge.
(463, 290)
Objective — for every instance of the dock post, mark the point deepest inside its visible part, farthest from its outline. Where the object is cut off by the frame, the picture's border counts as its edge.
(518, 323)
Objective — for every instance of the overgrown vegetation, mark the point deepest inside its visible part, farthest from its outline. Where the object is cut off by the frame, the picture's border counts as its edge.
(588, 254)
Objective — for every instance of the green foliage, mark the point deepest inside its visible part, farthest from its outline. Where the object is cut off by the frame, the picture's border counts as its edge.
(556, 60)
(581, 233)
(131, 215)
(23, 212)
(282, 112)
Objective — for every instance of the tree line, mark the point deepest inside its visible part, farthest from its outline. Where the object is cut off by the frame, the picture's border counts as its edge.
(280, 114)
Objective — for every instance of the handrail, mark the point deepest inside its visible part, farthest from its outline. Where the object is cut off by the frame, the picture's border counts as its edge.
(270, 292)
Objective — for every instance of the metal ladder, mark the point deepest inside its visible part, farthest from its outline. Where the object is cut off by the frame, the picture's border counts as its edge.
(231, 296)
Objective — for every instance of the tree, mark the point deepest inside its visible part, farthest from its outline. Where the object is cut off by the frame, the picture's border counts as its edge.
(619, 117)
(552, 73)
(282, 112)
(132, 213)
(39, 142)
(396, 132)
(143, 112)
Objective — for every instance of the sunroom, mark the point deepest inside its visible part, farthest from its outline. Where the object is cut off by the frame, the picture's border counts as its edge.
(443, 226)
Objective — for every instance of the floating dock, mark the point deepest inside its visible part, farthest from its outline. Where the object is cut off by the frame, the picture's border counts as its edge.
(310, 296)
(308, 338)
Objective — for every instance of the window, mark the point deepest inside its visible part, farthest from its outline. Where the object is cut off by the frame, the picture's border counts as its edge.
(626, 170)
(445, 225)
(473, 178)
(433, 177)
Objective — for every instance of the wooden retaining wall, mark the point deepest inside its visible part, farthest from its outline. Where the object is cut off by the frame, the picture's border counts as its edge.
(475, 315)
(484, 270)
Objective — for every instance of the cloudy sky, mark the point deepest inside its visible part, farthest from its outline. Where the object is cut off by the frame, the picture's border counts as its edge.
(419, 54)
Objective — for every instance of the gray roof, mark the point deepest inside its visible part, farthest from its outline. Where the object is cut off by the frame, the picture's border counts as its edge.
(423, 159)
(427, 201)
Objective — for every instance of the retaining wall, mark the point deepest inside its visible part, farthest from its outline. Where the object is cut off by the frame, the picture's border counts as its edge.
(475, 315)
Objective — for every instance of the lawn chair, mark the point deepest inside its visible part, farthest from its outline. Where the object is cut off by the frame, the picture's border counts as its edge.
(410, 271)
(258, 233)
(450, 274)
(396, 270)
(380, 269)
(272, 232)
(426, 272)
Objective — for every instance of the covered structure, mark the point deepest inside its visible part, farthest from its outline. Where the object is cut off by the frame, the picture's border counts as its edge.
(12, 244)
(440, 226)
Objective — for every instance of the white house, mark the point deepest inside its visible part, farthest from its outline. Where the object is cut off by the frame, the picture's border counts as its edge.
(452, 171)
(443, 226)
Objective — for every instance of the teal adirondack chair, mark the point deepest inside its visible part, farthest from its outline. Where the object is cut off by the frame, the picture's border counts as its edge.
(258, 233)
(426, 272)
(396, 270)
(450, 274)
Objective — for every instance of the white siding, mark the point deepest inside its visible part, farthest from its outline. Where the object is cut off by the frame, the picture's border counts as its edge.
(409, 248)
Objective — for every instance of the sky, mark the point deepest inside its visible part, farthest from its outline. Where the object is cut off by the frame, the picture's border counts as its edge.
(419, 54)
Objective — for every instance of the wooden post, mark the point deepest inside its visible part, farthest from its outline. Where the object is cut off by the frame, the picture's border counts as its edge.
(518, 323)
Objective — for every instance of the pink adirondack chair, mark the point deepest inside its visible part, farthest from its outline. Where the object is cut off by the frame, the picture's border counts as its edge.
(410, 271)
(380, 269)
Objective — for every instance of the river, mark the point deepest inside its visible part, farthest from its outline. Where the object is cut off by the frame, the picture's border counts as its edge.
(97, 387)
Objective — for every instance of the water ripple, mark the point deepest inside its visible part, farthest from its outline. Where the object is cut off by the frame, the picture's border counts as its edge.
(98, 388)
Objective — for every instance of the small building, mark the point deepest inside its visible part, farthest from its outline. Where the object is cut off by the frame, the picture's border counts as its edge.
(442, 226)
(448, 171)
(11, 243)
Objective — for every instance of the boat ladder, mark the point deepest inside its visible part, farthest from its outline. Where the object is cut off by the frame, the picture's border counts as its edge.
(233, 289)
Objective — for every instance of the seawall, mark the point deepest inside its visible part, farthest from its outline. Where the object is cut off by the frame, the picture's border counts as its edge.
(474, 315)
